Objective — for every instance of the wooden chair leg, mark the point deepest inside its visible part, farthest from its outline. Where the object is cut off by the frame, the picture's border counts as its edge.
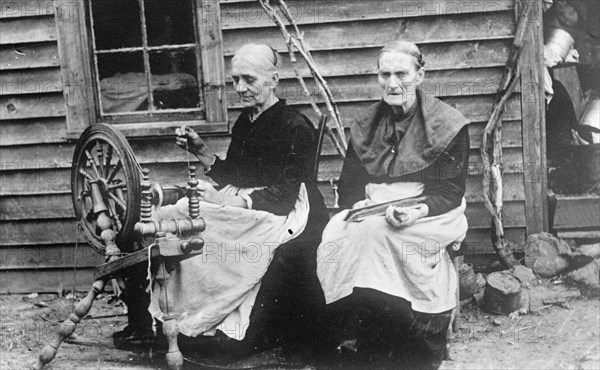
(170, 326)
(453, 325)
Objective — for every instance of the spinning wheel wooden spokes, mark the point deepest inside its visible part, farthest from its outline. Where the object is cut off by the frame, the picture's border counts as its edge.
(105, 184)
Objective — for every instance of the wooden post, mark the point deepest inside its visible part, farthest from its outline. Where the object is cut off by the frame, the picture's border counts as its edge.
(534, 125)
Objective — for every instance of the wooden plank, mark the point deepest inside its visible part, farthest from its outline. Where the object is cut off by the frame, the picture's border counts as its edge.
(45, 281)
(534, 124)
(362, 34)
(245, 15)
(54, 178)
(157, 150)
(578, 212)
(164, 150)
(511, 137)
(39, 232)
(36, 81)
(474, 108)
(209, 34)
(479, 217)
(75, 65)
(64, 231)
(59, 205)
(457, 55)
(27, 30)
(331, 167)
(590, 234)
(26, 8)
(479, 241)
(37, 207)
(449, 83)
(19, 132)
(31, 106)
(37, 55)
(513, 189)
(49, 256)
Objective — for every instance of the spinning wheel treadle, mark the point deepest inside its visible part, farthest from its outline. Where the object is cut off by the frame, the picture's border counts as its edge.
(104, 166)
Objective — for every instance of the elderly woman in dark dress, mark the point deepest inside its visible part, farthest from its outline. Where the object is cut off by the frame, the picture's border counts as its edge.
(388, 277)
(268, 200)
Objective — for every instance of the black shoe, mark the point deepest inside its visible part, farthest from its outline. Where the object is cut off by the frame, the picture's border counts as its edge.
(132, 337)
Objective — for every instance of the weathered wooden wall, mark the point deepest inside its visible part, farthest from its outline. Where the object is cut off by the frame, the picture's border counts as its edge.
(465, 54)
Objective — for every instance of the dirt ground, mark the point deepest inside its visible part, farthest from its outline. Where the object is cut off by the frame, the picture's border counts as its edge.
(557, 337)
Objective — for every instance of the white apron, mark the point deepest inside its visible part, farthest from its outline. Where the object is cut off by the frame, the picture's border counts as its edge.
(411, 263)
(217, 289)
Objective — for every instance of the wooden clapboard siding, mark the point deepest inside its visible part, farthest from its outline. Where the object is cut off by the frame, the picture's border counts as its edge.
(465, 54)
(474, 108)
(26, 30)
(26, 8)
(59, 205)
(164, 150)
(31, 81)
(24, 56)
(246, 15)
(32, 106)
(444, 56)
(51, 177)
(365, 87)
(32, 110)
(49, 256)
(33, 131)
(46, 280)
(360, 34)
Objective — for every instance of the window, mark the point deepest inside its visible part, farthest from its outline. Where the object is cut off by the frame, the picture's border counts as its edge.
(145, 65)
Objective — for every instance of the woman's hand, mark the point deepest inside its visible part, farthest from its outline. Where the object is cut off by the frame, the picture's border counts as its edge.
(188, 138)
(401, 217)
(208, 193)
(362, 203)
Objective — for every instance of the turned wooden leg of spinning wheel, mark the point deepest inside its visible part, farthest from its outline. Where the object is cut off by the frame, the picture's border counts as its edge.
(68, 326)
(170, 325)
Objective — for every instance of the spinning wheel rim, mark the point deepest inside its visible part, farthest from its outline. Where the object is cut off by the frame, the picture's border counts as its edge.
(106, 177)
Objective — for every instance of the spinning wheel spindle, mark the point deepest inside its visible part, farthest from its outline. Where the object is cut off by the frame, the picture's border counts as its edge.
(146, 203)
(194, 202)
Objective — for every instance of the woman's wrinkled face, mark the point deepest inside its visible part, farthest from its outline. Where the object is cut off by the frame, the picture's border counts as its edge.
(254, 85)
(399, 78)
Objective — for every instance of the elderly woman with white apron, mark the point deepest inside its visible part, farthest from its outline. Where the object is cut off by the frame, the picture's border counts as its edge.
(268, 203)
(387, 278)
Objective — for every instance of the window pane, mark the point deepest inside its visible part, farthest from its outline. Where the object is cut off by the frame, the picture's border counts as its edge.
(174, 79)
(123, 85)
(169, 22)
(117, 24)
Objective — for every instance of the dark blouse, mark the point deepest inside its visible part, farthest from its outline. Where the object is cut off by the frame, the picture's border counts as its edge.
(277, 151)
(444, 179)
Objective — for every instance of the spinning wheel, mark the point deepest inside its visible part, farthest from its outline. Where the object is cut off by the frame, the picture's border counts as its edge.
(114, 211)
(104, 166)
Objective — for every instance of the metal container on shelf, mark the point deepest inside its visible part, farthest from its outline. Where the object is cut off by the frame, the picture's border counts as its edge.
(559, 41)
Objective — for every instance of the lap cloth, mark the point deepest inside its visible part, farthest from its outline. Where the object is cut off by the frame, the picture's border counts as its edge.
(410, 263)
(217, 289)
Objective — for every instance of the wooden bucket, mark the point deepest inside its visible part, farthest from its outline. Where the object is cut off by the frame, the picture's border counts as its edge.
(502, 293)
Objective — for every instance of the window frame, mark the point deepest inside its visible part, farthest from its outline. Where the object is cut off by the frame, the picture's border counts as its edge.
(79, 87)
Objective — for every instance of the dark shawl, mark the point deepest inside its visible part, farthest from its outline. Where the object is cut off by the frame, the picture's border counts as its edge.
(432, 128)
